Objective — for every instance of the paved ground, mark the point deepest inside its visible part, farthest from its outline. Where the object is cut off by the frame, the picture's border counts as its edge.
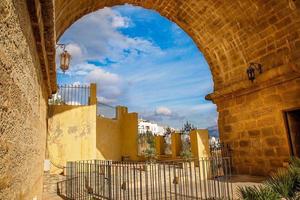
(49, 190)
(51, 180)
(245, 180)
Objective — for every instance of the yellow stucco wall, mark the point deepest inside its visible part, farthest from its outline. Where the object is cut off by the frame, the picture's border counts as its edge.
(77, 133)
(108, 139)
(129, 132)
(71, 134)
(176, 144)
(200, 143)
(117, 137)
(159, 145)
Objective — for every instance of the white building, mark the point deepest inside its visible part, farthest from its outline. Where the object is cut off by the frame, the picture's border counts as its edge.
(213, 141)
(145, 126)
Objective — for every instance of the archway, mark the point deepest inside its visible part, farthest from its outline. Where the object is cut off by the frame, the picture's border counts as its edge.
(155, 58)
(230, 34)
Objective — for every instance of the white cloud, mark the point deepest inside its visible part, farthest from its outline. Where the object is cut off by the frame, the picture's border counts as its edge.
(98, 38)
(109, 85)
(152, 76)
(120, 22)
(76, 52)
(163, 111)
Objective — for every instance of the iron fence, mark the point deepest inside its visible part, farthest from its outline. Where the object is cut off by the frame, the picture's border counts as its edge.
(71, 95)
(204, 178)
(106, 110)
(220, 150)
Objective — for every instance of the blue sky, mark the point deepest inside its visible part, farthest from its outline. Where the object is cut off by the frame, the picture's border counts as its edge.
(143, 61)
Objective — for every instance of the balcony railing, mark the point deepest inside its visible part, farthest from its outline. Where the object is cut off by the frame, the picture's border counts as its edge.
(71, 95)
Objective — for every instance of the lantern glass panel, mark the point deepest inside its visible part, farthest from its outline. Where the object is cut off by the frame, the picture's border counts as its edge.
(65, 61)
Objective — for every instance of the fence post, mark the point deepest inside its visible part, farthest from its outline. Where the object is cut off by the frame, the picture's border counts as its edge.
(93, 94)
(109, 180)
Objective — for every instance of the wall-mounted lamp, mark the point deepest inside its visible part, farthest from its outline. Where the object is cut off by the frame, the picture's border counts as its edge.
(251, 70)
(65, 58)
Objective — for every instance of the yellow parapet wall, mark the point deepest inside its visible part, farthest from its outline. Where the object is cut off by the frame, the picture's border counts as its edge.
(77, 133)
(129, 133)
(117, 138)
(71, 134)
(200, 143)
(176, 144)
(108, 139)
(159, 145)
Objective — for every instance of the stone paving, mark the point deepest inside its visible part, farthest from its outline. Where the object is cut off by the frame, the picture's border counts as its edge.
(50, 180)
(49, 188)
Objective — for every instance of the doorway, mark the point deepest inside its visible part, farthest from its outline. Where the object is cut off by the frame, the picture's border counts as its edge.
(293, 127)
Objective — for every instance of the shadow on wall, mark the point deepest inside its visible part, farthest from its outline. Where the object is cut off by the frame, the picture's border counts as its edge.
(117, 138)
(77, 133)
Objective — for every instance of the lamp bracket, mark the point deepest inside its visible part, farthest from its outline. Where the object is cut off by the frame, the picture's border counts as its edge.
(62, 46)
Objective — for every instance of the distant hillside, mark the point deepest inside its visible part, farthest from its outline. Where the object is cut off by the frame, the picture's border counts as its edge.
(213, 131)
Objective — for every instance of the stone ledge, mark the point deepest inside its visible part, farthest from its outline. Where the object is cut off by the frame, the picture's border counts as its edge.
(246, 87)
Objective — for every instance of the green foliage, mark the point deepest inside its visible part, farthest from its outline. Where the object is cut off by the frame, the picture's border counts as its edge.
(186, 150)
(55, 100)
(186, 154)
(167, 132)
(284, 184)
(150, 151)
(257, 193)
(187, 128)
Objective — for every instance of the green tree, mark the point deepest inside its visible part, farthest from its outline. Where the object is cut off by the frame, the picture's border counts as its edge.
(187, 128)
(150, 151)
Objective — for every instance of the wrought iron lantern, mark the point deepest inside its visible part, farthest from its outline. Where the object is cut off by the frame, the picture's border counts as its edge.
(65, 58)
(253, 67)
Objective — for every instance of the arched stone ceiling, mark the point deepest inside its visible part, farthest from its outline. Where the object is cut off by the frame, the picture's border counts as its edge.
(230, 34)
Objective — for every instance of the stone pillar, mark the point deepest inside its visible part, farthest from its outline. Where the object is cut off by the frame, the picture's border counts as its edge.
(200, 143)
(176, 144)
(159, 145)
(93, 94)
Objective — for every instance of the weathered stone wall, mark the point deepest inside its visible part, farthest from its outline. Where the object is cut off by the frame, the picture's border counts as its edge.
(253, 124)
(23, 104)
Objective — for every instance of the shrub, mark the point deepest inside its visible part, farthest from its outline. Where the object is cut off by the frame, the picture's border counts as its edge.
(285, 183)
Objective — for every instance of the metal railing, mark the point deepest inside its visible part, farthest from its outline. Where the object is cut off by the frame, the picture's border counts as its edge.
(205, 178)
(71, 95)
(105, 110)
(220, 150)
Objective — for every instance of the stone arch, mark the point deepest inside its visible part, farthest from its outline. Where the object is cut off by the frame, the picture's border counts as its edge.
(230, 34)
(75, 10)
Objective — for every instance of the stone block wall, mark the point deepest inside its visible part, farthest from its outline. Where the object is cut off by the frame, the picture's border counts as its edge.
(23, 106)
(253, 125)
